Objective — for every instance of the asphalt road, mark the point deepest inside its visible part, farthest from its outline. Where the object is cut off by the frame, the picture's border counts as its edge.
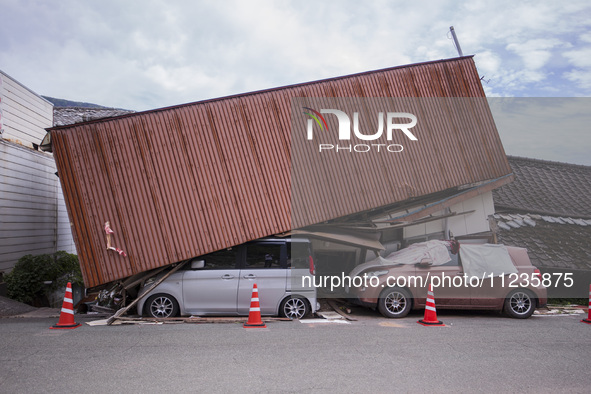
(472, 353)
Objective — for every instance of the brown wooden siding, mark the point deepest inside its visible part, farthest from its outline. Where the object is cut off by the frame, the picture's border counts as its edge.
(187, 180)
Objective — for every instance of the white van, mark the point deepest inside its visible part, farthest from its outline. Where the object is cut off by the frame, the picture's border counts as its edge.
(221, 283)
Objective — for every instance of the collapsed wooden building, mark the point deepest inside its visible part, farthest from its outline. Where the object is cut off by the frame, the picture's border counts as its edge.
(183, 181)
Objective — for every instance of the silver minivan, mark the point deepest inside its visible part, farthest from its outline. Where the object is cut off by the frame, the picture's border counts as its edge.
(221, 283)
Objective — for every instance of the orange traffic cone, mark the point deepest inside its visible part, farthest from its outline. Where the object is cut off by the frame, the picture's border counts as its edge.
(430, 318)
(254, 315)
(588, 319)
(67, 316)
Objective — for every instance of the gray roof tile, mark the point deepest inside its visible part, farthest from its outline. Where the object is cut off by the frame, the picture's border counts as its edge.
(550, 244)
(69, 115)
(547, 188)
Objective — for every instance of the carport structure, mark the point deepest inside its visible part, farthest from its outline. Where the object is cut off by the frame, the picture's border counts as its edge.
(187, 180)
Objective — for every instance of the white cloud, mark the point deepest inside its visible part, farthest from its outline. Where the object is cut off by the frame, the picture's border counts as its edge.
(535, 53)
(488, 62)
(155, 53)
(583, 78)
(579, 58)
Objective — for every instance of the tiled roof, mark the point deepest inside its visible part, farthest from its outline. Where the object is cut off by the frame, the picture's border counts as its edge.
(547, 188)
(552, 242)
(69, 115)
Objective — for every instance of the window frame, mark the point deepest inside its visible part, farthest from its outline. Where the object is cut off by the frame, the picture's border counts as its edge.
(282, 254)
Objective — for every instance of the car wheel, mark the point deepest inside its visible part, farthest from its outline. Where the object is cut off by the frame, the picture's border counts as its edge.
(161, 305)
(395, 302)
(520, 304)
(294, 308)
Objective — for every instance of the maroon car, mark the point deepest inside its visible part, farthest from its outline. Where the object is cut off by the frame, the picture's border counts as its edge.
(485, 277)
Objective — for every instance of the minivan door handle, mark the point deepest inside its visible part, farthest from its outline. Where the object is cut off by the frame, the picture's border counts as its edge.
(227, 276)
(249, 276)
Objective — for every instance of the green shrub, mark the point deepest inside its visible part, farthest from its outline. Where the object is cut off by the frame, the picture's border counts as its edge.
(25, 282)
(567, 301)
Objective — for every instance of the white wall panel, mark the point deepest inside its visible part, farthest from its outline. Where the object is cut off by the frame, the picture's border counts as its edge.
(471, 223)
(65, 241)
(33, 218)
(26, 115)
(30, 199)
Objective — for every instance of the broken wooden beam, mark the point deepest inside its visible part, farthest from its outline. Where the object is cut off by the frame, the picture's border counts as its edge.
(338, 310)
(124, 310)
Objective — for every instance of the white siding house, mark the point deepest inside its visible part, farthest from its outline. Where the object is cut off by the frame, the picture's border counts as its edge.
(33, 218)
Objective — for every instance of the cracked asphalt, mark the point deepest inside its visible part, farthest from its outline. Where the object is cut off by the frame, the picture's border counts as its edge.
(475, 352)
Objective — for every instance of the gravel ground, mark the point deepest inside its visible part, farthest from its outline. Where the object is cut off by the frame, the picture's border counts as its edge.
(10, 307)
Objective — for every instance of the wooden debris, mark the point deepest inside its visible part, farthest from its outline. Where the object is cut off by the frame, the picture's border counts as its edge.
(137, 279)
(102, 309)
(124, 310)
(338, 310)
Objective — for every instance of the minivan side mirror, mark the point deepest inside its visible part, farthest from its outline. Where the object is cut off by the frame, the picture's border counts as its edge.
(425, 262)
(196, 264)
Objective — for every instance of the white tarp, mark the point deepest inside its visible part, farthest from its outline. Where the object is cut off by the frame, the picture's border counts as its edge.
(377, 262)
(436, 251)
(483, 260)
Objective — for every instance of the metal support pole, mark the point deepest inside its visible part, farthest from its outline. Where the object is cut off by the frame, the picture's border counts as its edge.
(453, 34)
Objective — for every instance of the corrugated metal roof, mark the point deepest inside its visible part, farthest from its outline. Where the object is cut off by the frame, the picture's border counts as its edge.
(187, 180)
(458, 145)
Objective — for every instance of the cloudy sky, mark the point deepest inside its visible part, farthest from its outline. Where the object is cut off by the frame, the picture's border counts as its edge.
(148, 54)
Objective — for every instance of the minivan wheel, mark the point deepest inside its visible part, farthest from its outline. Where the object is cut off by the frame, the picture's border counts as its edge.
(161, 305)
(294, 308)
(520, 304)
(395, 302)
